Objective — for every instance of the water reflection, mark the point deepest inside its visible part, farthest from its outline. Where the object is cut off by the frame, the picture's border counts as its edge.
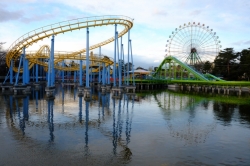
(36, 93)
(62, 89)
(244, 114)
(86, 148)
(224, 112)
(118, 128)
(80, 109)
(161, 121)
(50, 119)
(191, 128)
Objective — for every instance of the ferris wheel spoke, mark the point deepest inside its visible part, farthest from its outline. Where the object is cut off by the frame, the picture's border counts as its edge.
(207, 51)
(183, 32)
(200, 34)
(206, 41)
(179, 52)
(176, 45)
(195, 35)
(205, 37)
(209, 46)
(187, 32)
(180, 38)
(197, 40)
(177, 41)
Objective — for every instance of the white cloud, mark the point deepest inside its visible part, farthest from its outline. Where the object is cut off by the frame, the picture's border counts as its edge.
(154, 22)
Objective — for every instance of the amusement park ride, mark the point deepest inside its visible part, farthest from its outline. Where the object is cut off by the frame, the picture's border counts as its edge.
(192, 44)
(49, 60)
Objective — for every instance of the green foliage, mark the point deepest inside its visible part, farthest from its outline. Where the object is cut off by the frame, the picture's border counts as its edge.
(226, 65)
(207, 67)
(245, 64)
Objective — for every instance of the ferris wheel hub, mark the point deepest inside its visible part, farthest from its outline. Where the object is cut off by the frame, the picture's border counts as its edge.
(193, 50)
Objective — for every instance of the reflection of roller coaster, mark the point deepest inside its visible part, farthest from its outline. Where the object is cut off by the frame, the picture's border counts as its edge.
(24, 121)
(32, 37)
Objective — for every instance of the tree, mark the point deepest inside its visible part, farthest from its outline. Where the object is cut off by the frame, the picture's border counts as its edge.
(226, 64)
(207, 67)
(244, 58)
(3, 66)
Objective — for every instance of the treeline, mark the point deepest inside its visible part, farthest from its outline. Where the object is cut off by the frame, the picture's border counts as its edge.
(230, 65)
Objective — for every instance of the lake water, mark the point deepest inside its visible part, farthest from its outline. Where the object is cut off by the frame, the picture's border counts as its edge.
(151, 128)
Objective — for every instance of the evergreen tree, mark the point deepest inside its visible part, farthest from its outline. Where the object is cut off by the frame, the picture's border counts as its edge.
(245, 64)
(207, 67)
(226, 64)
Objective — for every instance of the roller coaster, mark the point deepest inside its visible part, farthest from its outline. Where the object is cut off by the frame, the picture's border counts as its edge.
(48, 60)
(32, 37)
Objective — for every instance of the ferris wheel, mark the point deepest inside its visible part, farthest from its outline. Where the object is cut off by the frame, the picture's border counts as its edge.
(193, 43)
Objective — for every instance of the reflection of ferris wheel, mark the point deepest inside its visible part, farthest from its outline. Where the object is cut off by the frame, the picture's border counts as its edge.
(193, 44)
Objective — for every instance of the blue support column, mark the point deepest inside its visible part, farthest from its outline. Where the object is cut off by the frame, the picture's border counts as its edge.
(68, 76)
(124, 70)
(103, 74)
(108, 77)
(119, 61)
(26, 73)
(24, 67)
(128, 59)
(91, 75)
(132, 62)
(11, 72)
(36, 72)
(41, 73)
(51, 73)
(52, 62)
(99, 76)
(80, 75)
(87, 58)
(63, 65)
(48, 74)
(17, 74)
(33, 71)
(114, 67)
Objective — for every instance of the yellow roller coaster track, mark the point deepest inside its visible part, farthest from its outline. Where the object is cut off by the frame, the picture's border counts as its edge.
(32, 37)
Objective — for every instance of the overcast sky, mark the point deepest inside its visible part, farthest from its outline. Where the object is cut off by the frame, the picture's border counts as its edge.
(154, 21)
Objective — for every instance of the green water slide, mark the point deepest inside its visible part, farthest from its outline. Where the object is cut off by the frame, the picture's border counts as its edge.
(213, 77)
(183, 65)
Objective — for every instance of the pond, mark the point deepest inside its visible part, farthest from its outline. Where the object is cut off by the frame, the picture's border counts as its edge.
(148, 128)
